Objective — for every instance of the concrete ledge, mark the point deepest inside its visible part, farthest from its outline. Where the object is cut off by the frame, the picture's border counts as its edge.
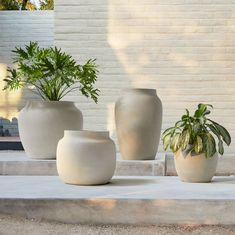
(17, 163)
(126, 200)
(226, 165)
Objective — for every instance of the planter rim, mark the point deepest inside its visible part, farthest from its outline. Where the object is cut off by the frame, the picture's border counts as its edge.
(197, 155)
(46, 103)
(87, 133)
(141, 90)
(49, 101)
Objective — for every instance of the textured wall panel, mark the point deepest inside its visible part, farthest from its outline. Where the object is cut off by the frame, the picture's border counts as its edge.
(183, 48)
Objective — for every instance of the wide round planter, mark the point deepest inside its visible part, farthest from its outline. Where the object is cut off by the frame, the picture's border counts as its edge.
(138, 117)
(195, 168)
(42, 125)
(86, 157)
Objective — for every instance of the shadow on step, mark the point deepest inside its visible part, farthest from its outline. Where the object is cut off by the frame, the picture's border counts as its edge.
(131, 182)
(224, 180)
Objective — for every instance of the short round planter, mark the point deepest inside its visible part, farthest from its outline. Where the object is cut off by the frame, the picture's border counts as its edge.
(86, 157)
(195, 168)
(42, 125)
(138, 117)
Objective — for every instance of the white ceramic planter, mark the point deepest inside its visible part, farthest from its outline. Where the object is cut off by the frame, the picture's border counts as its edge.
(86, 157)
(195, 168)
(42, 125)
(138, 117)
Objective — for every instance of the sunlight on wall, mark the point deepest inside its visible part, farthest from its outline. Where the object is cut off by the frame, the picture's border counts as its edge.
(184, 50)
(9, 100)
(111, 119)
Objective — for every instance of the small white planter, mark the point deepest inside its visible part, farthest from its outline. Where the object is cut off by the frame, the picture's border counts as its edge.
(138, 117)
(42, 125)
(195, 168)
(86, 157)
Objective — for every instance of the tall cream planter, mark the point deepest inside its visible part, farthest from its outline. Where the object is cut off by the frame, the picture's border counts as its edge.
(42, 125)
(138, 117)
(195, 168)
(86, 157)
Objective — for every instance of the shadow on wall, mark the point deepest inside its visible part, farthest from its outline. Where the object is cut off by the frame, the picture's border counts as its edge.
(8, 127)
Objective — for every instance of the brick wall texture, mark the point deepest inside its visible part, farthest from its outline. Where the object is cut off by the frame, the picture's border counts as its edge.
(183, 48)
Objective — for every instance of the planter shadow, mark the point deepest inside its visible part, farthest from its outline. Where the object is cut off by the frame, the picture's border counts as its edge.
(223, 180)
(131, 182)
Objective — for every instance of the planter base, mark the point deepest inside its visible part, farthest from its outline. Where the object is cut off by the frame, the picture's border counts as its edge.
(195, 168)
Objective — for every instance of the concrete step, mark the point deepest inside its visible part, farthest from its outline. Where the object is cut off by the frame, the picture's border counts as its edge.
(17, 163)
(226, 165)
(126, 200)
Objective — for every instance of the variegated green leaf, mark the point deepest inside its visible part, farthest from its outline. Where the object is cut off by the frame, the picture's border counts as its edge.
(185, 138)
(168, 131)
(210, 145)
(198, 146)
(166, 141)
(175, 143)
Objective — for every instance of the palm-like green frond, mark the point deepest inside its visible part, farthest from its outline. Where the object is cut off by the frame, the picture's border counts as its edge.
(52, 73)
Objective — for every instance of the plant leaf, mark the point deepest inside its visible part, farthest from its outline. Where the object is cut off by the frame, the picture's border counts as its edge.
(198, 146)
(185, 137)
(210, 146)
(202, 110)
(214, 130)
(175, 143)
(223, 132)
(166, 141)
(221, 147)
(168, 131)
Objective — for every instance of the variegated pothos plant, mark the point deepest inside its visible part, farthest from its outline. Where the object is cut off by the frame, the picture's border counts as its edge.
(196, 134)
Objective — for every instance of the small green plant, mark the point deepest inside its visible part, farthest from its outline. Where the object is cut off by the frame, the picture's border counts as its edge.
(26, 5)
(9, 5)
(196, 134)
(51, 72)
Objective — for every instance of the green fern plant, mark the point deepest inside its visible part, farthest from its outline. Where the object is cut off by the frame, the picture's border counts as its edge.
(196, 134)
(51, 72)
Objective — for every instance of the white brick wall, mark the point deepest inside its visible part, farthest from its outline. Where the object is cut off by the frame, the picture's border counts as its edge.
(183, 48)
(16, 29)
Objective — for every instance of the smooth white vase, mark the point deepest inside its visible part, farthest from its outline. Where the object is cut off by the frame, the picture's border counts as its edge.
(138, 117)
(42, 125)
(195, 168)
(86, 157)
